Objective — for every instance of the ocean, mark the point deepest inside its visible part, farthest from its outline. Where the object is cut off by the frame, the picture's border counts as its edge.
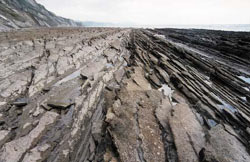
(224, 27)
(228, 27)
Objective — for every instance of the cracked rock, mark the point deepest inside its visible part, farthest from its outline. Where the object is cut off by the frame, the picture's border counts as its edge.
(120, 94)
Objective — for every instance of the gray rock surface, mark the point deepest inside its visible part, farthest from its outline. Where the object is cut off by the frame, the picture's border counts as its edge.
(109, 94)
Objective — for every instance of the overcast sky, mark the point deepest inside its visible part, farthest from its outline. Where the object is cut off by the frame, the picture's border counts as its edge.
(153, 12)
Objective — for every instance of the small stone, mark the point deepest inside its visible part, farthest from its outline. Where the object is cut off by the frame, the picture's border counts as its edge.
(46, 107)
(59, 105)
(110, 115)
(31, 111)
(36, 113)
(35, 123)
(46, 89)
(20, 102)
(26, 129)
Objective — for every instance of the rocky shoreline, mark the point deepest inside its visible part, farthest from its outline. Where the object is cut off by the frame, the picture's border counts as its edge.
(110, 94)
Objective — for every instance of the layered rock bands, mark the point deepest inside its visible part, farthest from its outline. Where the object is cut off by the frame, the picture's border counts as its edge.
(109, 94)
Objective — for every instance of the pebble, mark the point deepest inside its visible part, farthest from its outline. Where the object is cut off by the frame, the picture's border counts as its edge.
(20, 102)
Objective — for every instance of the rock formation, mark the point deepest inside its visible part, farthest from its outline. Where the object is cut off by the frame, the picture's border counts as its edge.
(110, 94)
(16, 14)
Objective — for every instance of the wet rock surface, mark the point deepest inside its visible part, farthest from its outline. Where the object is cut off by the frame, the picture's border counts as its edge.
(109, 94)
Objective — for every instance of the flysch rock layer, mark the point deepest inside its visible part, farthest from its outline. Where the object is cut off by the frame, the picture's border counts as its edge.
(29, 14)
(110, 94)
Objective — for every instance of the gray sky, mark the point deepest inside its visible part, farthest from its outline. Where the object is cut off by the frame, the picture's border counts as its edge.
(153, 12)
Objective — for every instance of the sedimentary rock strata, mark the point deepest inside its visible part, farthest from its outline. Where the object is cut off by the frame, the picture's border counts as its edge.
(18, 14)
(109, 94)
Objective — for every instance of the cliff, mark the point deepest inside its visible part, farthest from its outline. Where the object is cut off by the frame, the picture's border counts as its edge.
(15, 14)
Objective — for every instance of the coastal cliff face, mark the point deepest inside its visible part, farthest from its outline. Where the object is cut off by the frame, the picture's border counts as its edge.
(108, 94)
(15, 14)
